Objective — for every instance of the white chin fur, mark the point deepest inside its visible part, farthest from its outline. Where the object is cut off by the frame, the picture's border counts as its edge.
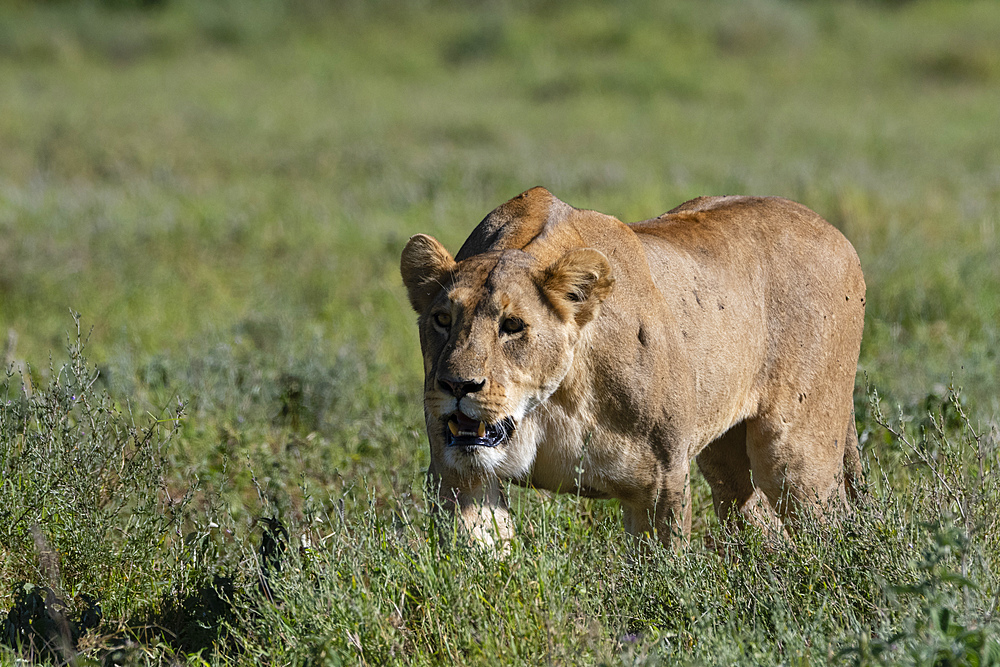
(509, 460)
(479, 462)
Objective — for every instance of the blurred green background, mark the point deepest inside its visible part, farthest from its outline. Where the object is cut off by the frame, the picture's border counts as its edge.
(184, 172)
(221, 189)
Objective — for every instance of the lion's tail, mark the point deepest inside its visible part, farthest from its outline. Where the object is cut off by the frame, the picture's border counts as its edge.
(854, 474)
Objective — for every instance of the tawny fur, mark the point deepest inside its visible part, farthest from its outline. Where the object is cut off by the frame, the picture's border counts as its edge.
(726, 331)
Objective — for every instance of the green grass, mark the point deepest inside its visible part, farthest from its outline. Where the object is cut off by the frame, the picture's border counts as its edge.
(223, 189)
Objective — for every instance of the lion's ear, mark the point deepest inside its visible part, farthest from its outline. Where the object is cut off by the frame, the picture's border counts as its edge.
(577, 283)
(424, 264)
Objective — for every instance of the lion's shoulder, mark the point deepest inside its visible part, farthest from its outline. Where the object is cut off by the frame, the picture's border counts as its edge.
(543, 226)
(515, 223)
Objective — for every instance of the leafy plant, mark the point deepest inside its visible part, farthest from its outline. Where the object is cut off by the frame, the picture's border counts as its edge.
(941, 632)
(85, 509)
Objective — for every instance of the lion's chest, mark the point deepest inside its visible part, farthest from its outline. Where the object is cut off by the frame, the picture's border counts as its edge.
(575, 454)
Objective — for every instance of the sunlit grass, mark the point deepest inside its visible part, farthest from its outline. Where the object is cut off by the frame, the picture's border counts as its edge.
(222, 190)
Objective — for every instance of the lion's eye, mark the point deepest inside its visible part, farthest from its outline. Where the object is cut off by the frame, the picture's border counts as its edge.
(512, 325)
(443, 320)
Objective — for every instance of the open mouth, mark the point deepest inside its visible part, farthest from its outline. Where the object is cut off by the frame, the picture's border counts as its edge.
(466, 432)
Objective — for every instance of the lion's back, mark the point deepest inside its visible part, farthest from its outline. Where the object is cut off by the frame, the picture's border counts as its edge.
(767, 276)
(791, 245)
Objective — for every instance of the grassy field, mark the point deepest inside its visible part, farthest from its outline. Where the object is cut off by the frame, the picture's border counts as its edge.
(227, 459)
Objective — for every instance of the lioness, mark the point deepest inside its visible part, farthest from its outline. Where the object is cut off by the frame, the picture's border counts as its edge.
(568, 351)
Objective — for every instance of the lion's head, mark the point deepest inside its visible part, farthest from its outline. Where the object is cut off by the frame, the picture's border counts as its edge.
(498, 332)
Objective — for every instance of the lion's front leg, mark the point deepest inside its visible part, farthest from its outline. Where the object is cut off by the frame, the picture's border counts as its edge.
(481, 508)
(485, 517)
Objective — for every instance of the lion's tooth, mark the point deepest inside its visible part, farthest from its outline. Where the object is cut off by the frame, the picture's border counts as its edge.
(482, 429)
(453, 427)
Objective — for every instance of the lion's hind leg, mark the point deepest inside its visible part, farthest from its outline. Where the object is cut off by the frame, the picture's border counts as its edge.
(797, 455)
(738, 502)
(854, 474)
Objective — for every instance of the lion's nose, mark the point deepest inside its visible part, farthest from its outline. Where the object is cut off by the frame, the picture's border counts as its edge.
(459, 388)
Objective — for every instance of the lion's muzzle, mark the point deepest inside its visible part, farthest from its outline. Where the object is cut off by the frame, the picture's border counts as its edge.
(467, 433)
